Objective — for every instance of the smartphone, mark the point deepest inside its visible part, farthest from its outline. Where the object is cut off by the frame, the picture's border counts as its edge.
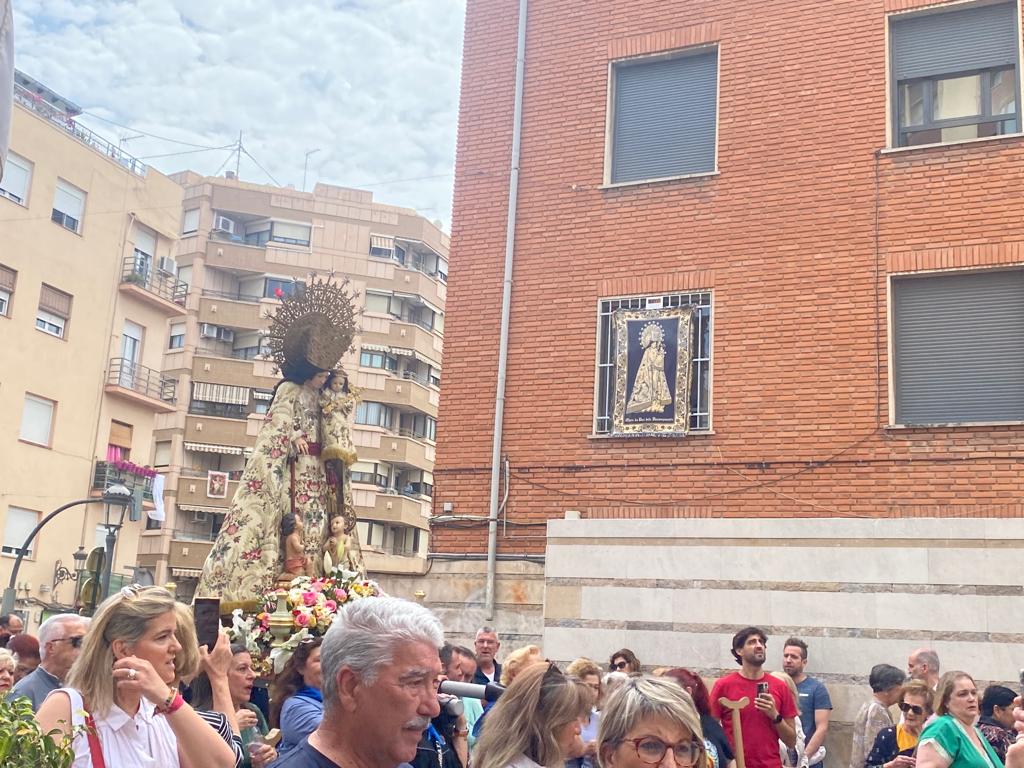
(763, 689)
(206, 612)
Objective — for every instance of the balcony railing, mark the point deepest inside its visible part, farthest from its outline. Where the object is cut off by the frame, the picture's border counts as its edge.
(62, 120)
(233, 296)
(138, 378)
(106, 474)
(165, 286)
(184, 534)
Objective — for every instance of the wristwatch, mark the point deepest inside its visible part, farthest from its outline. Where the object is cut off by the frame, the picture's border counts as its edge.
(778, 718)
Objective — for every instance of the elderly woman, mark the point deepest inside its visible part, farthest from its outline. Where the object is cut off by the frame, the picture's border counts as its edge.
(123, 686)
(624, 661)
(7, 667)
(996, 722)
(886, 683)
(894, 746)
(952, 740)
(646, 720)
(536, 722)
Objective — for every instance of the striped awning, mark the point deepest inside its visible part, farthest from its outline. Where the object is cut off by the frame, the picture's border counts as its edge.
(188, 573)
(375, 348)
(220, 393)
(203, 508)
(382, 241)
(234, 450)
(262, 394)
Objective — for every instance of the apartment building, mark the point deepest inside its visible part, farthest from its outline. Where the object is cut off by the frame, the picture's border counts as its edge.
(244, 247)
(829, 193)
(87, 288)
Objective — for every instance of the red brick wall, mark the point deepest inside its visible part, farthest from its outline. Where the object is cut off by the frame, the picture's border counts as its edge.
(796, 236)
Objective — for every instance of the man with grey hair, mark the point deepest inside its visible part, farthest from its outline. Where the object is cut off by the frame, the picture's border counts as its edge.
(923, 664)
(380, 667)
(488, 670)
(60, 638)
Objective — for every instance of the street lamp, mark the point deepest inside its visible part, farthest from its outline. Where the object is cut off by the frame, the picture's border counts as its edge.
(116, 495)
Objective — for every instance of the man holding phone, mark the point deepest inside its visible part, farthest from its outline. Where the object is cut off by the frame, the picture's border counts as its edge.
(770, 714)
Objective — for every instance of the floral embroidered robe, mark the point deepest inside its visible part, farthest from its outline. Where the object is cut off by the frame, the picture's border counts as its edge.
(246, 558)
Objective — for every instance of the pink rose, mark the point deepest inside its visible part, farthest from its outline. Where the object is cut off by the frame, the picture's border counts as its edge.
(302, 620)
(309, 598)
(331, 606)
(341, 595)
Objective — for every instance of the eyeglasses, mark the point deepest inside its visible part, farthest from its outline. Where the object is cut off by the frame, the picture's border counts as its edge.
(904, 707)
(74, 641)
(618, 666)
(652, 751)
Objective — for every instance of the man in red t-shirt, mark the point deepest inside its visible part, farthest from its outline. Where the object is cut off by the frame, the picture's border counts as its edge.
(768, 717)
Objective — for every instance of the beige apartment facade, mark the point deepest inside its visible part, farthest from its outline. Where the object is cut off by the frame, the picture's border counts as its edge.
(88, 236)
(243, 248)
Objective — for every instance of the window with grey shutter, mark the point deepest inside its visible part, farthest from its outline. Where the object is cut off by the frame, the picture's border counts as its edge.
(664, 117)
(955, 73)
(958, 348)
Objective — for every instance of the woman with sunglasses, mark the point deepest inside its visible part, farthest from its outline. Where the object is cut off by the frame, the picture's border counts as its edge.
(536, 722)
(645, 721)
(624, 661)
(123, 689)
(952, 740)
(894, 747)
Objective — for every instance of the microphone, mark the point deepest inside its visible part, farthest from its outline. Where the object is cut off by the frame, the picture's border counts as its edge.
(489, 692)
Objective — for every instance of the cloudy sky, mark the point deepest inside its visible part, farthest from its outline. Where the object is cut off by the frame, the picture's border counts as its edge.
(372, 84)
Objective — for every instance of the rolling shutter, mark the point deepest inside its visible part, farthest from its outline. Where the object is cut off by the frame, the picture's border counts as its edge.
(926, 45)
(665, 117)
(958, 354)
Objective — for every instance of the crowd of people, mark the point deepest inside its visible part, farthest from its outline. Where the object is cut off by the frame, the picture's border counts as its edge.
(132, 687)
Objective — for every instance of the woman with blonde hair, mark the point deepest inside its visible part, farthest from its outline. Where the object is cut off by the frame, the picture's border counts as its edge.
(8, 664)
(123, 688)
(518, 660)
(645, 720)
(536, 722)
(952, 740)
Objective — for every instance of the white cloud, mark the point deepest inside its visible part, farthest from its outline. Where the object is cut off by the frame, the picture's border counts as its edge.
(372, 83)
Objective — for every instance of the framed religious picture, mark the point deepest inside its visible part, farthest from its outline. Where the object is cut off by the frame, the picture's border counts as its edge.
(652, 371)
(216, 485)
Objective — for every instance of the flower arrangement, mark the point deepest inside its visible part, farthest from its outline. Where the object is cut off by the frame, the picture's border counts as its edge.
(132, 468)
(312, 604)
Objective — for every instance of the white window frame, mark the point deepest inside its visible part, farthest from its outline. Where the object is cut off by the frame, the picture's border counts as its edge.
(190, 222)
(19, 162)
(5, 303)
(11, 548)
(701, 422)
(53, 325)
(36, 399)
(62, 217)
(172, 336)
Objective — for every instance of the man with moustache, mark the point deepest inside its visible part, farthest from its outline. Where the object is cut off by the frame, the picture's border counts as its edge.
(768, 717)
(380, 670)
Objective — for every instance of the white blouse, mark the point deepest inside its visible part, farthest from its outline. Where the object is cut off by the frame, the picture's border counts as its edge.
(143, 741)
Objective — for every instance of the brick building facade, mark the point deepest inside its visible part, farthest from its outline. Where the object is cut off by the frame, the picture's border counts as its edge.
(810, 223)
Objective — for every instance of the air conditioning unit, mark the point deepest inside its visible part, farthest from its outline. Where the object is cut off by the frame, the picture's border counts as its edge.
(208, 330)
(199, 517)
(225, 334)
(167, 265)
(224, 224)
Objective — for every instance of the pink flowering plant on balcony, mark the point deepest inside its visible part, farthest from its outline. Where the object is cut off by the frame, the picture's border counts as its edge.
(131, 468)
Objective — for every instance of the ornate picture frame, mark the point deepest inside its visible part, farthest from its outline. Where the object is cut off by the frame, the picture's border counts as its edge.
(216, 485)
(653, 355)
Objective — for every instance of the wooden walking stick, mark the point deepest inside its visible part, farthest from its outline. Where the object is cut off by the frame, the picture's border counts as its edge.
(737, 731)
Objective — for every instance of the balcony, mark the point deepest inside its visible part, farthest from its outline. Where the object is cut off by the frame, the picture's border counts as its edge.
(188, 554)
(228, 254)
(407, 392)
(218, 431)
(220, 368)
(400, 449)
(142, 385)
(192, 493)
(231, 313)
(404, 338)
(392, 507)
(158, 289)
(107, 473)
(63, 118)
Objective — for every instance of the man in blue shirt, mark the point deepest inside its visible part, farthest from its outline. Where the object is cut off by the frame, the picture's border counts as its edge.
(814, 702)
